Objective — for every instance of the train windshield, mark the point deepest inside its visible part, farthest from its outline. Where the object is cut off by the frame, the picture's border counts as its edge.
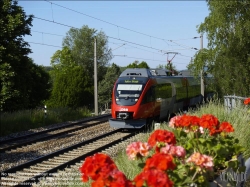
(128, 94)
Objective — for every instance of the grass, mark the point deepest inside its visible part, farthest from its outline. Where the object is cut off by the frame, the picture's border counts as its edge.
(30, 119)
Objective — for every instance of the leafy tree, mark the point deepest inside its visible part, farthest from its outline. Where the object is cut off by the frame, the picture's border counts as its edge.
(72, 87)
(227, 57)
(105, 87)
(20, 77)
(136, 64)
(40, 85)
(143, 65)
(81, 44)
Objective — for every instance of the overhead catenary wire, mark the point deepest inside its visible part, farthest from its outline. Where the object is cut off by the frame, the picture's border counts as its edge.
(109, 42)
(112, 50)
(47, 33)
(54, 22)
(133, 43)
(45, 44)
(131, 30)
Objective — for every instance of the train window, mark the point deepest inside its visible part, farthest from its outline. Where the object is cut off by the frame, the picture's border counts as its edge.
(163, 91)
(129, 90)
(128, 94)
(149, 96)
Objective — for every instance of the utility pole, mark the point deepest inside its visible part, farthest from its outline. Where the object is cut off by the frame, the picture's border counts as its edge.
(202, 80)
(95, 80)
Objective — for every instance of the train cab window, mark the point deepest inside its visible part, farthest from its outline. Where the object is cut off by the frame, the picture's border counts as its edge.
(128, 94)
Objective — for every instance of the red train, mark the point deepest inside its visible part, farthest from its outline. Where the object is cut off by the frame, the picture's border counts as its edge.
(143, 96)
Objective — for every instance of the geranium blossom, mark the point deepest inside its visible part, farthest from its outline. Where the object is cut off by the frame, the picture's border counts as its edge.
(116, 179)
(137, 150)
(160, 161)
(103, 171)
(187, 122)
(153, 178)
(247, 101)
(97, 166)
(174, 121)
(226, 127)
(203, 161)
(161, 136)
(209, 121)
(174, 150)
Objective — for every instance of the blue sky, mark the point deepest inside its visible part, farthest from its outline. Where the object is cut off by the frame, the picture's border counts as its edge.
(140, 30)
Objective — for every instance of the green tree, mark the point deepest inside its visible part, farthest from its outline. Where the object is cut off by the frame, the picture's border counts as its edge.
(227, 57)
(71, 89)
(19, 75)
(143, 65)
(105, 87)
(136, 64)
(72, 86)
(81, 44)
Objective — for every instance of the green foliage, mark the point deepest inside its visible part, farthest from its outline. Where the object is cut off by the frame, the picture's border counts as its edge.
(136, 64)
(73, 67)
(227, 57)
(23, 84)
(81, 44)
(71, 88)
(105, 86)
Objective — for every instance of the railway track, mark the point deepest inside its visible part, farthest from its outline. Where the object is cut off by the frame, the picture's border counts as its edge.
(31, 172)
(24, 140)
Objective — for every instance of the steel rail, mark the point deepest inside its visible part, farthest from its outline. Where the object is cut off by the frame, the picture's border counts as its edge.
(13, 143)
(35, 178)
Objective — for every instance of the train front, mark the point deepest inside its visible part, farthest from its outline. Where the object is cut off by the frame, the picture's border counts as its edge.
(126, 98)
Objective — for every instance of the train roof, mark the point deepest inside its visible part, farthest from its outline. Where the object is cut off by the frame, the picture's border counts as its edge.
(141, 72)
(144, 72)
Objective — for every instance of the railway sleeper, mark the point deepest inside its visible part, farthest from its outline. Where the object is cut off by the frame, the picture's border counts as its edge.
(69, 156)
(42, 165)
(51, 162)
(39, 167)
(34, 171)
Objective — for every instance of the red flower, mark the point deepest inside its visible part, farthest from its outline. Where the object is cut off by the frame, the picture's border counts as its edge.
(226, 127)
(186, 121)
(175, 121)
(209, 121)
(247, 101)
(97, 166)
(153, 178)
(160, 161)
(161, 136)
